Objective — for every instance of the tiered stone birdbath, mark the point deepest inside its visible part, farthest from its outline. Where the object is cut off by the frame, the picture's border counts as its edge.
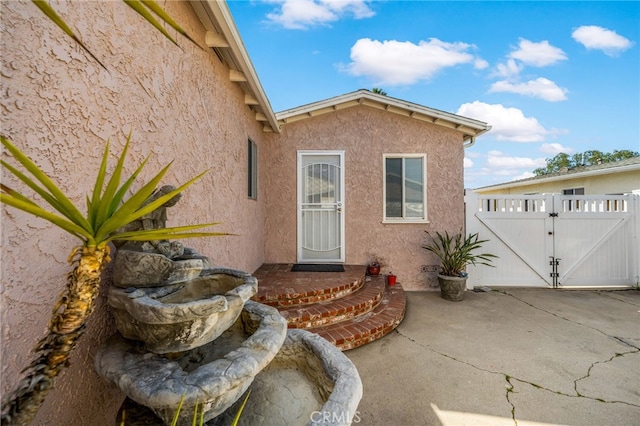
(189, 332)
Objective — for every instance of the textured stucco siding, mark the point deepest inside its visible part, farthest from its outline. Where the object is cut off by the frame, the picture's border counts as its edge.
(365, 134)
(59, 106)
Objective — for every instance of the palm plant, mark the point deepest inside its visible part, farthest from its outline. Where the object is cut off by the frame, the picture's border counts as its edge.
(456, 252)
(107, 213)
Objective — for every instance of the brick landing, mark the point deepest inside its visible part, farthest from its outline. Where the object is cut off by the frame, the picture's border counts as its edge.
(347, 308)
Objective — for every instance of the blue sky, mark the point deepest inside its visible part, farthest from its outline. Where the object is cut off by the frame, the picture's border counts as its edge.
(549, 76)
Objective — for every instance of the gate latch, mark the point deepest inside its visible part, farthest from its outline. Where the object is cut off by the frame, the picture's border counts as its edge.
(553, 214)
(554, 262)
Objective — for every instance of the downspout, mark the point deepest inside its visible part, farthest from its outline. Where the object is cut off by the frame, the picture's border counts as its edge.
(470, 142)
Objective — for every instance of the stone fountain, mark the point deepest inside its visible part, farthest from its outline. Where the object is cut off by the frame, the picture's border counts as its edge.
(190, 335)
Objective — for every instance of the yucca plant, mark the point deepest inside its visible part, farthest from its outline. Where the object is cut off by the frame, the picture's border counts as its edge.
(107, 213)
(456, 252)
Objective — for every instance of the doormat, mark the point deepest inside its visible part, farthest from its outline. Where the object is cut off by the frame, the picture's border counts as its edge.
(317, 267)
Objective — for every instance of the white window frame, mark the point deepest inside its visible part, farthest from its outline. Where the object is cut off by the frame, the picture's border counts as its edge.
(403, 156)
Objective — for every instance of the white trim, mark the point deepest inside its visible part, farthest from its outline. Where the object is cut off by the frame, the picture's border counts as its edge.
(406, 220)
(566, 176)
(469, 127)
(216, 16)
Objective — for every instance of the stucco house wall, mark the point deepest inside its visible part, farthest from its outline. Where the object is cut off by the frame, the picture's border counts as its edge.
(59, 106)
(365, 134)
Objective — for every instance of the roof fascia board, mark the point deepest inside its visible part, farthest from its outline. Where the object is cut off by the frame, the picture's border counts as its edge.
(365, 97)
(568, 176)
(217, 16)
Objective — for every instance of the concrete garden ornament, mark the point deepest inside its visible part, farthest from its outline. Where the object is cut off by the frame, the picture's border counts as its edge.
(190, 336)
(455, 253)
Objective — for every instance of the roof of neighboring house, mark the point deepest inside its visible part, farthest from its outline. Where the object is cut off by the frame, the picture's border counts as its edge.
(223, 37)
(628, 164)
(469, 127)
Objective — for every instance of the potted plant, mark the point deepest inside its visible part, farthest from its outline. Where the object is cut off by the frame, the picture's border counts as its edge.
(456, 252)
(374, 264)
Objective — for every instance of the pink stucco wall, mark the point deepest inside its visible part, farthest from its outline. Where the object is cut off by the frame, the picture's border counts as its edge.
(59, 106)
(365, 134)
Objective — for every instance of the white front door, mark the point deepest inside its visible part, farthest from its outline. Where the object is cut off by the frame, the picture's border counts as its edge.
(320, 206)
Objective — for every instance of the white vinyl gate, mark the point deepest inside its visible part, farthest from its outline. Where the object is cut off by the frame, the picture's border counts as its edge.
(553, 240)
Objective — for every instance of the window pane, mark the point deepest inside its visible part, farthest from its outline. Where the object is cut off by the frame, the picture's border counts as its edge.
(414, 195)
(393, 178)
(252, 170)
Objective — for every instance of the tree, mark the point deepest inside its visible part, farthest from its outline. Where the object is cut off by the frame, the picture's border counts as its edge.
(583, 159)
(379, 91)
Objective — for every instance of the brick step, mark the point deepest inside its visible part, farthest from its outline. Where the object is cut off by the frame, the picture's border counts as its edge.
(336, 310)
(279, 287)
(383, 319)
(346, 308)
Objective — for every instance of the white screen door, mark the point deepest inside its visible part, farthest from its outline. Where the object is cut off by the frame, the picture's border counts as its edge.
(320, 206)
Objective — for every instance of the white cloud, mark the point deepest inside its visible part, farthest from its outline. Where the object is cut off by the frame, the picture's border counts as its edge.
(595, 37)
(510, 70)
(508, 124)
(534, 54)
(480, 64)
(537, 54)
(302, 14)
(539, 88)
(554, 148)
(392, 62)
(502, 161)
(467, 163)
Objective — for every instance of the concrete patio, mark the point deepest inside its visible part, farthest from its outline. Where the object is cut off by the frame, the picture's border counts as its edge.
(507, 357)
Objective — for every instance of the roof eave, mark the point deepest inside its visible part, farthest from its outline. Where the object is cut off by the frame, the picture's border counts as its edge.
(566, 176)
(469, 127)
(223, 37)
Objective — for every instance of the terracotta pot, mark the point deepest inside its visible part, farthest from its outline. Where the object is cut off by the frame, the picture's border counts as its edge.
(452, 288)
(373, 269)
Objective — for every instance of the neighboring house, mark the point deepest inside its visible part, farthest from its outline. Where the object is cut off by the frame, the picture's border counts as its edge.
(335, 181)
(619, 177)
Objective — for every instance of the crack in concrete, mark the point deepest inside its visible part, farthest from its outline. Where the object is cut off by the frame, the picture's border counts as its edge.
(586, 376)
(622, 340)
(609, 295)
(511, 387)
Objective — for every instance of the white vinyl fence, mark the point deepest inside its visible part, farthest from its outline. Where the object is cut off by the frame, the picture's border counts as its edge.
(553, 240)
